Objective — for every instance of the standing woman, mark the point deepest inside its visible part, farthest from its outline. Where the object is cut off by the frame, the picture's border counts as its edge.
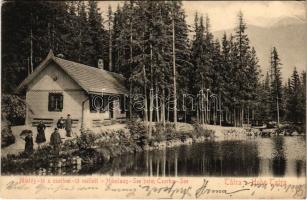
(40, 137)
(29, 144)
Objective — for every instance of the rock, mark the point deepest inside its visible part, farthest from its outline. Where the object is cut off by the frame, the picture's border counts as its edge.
(295, 133)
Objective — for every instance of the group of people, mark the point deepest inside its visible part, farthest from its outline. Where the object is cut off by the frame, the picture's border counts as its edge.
(55, 138)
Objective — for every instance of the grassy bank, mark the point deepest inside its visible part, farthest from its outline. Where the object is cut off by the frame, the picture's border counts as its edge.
(91, 148)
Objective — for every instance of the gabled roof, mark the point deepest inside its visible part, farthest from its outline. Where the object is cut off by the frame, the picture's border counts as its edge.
(91, 79)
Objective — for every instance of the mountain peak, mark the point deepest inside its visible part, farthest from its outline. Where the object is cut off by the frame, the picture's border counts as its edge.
(288, 21)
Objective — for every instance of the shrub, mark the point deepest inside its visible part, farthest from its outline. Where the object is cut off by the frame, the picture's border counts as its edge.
(7, 137)
(86, 139)
(170, 128)
(138, 132)
(199, 130)
(13, 109)
(290, 128)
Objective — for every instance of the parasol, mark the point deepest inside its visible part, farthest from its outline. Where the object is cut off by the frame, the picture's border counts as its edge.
(25, 133)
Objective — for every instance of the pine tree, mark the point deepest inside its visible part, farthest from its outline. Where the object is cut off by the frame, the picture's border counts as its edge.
(276, 85)
(97, 34)
(295, 106)
(110, 21)
(242, 52)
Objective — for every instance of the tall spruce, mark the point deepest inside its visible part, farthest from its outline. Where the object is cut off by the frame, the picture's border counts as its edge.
(276, 85)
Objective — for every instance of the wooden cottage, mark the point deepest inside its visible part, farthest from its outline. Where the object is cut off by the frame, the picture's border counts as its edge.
(58, 87)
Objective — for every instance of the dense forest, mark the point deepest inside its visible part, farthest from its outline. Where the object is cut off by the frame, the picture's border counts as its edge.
(148, 42)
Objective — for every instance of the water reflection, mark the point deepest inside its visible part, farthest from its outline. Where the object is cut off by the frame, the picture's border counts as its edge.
(279, 161)
(254, 157)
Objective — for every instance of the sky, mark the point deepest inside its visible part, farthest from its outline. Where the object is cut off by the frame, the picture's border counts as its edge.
(223, 14)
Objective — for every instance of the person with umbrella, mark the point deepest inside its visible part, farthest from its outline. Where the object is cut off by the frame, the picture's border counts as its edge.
(27, 136)
(68, 126)
(55, 141)
(40, 137)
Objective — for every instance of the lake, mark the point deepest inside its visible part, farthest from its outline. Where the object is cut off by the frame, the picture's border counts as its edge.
(278, 156)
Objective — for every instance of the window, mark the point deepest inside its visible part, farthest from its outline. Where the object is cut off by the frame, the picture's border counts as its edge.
(55, 102)
(98, 103)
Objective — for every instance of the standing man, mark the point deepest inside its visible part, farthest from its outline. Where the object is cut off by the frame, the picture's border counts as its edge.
(68, 125)
(55, 141)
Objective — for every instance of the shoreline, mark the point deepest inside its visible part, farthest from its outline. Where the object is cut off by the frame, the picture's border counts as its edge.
(103, 147)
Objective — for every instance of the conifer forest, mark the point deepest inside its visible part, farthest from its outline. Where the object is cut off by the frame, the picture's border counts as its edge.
(181, 72)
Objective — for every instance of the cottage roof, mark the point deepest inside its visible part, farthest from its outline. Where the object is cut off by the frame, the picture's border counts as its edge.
(91, 79)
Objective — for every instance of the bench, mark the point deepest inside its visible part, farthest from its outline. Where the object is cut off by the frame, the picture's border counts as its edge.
(121, 119)
(97, 123)
(48, 122)
(75, 123)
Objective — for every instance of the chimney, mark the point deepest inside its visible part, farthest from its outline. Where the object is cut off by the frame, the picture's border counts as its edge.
(100, 63)
(60, 56)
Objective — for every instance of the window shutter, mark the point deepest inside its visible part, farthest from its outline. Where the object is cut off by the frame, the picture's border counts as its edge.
(49, 102)
(122, 103)
(61, 102)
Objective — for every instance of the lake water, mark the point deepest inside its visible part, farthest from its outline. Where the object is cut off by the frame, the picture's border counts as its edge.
(276, 156)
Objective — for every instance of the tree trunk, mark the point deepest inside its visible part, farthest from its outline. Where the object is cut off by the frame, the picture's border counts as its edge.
(277, 107)
(110, 47)
(202, 109)
(234, 117)
(130, 102)
(157, 103)
(31, 50)
(174, 72)
(150, 95)
(242, 115)
(220, 108)
(145, 98)
(168, 111)
(248, 114)
(130, 82)
(163, 107)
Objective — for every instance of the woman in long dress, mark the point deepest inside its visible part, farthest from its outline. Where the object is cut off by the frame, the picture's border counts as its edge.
(40, 137)
(29, 144)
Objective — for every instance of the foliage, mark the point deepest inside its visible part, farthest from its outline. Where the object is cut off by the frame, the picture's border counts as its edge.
(13, 109)
(290, 129)
(86, 139)
(73, 29)
(138, 131)
(295, 98)
(139, 41)
(7, 137)
(199, 130)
